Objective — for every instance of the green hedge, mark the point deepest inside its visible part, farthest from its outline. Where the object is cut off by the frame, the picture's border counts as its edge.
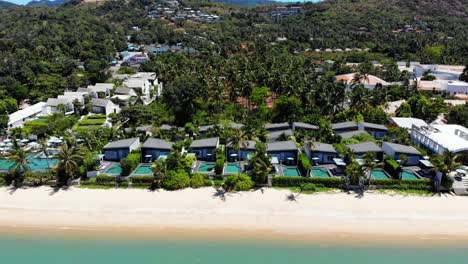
(392, 167)
(105, 180)
(100, 116)
(88, 182)
(304, 164)
(298, 181)
(142, 181)
(90, 122)
(424, 185)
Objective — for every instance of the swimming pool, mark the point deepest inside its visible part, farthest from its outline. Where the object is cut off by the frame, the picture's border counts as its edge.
(143, 169)
(206, 167)
(409, 175)
(379, 174)
(116, 169)
(232, 168)
(320, 173)
(34, 164)
(291, 172)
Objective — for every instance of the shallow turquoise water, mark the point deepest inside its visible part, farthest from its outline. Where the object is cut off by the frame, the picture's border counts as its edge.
(379, 174)
(408, 175)
(143, 169)
(116, 169)
(35, 164)
(291, 171)
(320, 172)
(232, 168)
(206, 167)
(51, 251)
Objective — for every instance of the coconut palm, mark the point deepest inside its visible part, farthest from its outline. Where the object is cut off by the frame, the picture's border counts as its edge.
(444, 164)
(21, 166)
(69, 159)
(370, 164)
(238, 141)
(43, 146)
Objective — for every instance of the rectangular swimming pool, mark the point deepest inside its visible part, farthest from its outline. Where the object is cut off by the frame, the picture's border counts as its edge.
(115, 170)
(206, 167)
(232, 168)
(320, 172)
(34, 164)
(291, 172)
(380, 174)
(143, 169)
(409, 175)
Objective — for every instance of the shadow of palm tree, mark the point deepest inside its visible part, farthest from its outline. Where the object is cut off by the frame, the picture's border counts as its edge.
(56, 189)
(220, 194)
(292, 197)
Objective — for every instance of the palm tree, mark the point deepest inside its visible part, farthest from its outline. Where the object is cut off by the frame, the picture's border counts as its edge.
(370, 164)
(21, 165)
(69, 159)
(238, 141)
(444, 164)
(43, 145)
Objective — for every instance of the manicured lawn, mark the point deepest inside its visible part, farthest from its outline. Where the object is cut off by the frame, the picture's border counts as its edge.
(90, 123)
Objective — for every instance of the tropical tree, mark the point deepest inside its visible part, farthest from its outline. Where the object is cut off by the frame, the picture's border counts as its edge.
(238, 141)
(444, 164)
(21, 166)
(260, 164)
(69, 160)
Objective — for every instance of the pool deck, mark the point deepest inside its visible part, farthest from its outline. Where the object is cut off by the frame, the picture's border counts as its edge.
(199, 163)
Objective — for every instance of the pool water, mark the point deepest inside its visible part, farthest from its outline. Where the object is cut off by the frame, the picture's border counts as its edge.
(206, 167)
(379, 174)
(143, 169)
(116, 169)
(291, 172)
(320, 172)
(6, 164)
(34, 164)
(409, 175)
(232, 168)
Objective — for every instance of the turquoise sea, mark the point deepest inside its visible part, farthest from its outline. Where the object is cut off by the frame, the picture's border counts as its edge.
(18, 250)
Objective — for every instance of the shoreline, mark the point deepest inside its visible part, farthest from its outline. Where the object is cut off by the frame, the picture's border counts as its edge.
(333, 218)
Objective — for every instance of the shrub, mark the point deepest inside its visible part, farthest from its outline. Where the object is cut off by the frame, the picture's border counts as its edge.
(143, 181)
(99, 116)
(106, 180)
(309, 188)
(392, 167)
(298, 181)
(175, 180)
(199, 180)
(304, 164)
(90, 122)
(88, 182)
(238, 182)
(219, 166)
(390, 184)
(126, 166)
(135, 159)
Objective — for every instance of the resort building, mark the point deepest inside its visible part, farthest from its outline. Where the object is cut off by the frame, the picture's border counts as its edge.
(351, 134)
(280, 135)
(396, 150)
(55, 105)
(154, 148)
(321, 153)
(407, 122)
(440, 138)
(304, 126)
(74, 96)
(284, 151)
(117, 150)
(124, 94)
(204, 148)
(277, 126)
(370, 82)
(18, 118)
(245, 150)
(361, 149)
(103, 106)
(100, 90)
(376, 130)
(344, 127)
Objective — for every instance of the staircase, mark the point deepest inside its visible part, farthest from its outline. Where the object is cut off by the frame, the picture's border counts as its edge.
(460, 187)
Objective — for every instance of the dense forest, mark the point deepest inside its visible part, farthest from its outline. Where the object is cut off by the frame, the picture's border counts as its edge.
(240, 64)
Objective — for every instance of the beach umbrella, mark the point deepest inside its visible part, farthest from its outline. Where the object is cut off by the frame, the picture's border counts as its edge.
(24, 140)
(7, 140)
(2, 144)
(9, 144)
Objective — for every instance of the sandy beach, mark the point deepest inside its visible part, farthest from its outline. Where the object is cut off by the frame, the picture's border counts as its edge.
(266, 214)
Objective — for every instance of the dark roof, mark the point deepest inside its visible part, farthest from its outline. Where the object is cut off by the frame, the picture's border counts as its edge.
(351, 134)
(56, 102)
(342, 125)
(124, 143)
(100, 102)
(205, 143)
(402, 148)
(282, 146)
(365, 147)
(156, 143)
(373, 126)
(205, 128)
(122, 90)
(276, 126)
(250, 145)
(323, 147)
(231, 125)
(305, 126)
(277, 134)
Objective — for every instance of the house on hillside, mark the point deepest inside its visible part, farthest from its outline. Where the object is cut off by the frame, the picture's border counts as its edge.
(396, 150)
(117, 150)
(285, 151)
(370, 82)
(376, 130)
(18, 118)
(100, 90)
(351, 134)
(303, 126)
(103, 106)
(277, 126)
(321, 153)
(153, 148)
(124, 95)
(280, 135)
(204, 149)
(55, 105)
(243, 153)
(344, 127)
(361, 149)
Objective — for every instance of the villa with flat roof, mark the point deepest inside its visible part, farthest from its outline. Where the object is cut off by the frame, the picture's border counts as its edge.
(117, 150)
(18, 118)
(243, 153)
(204, 148)
(407, 122)
(350, 134)
(153, 148)
(277, 126)
(304, 126)
(361, 149)
(321, 153)
(277, 135)
(396, 150)
(376, 130)
(344, 127)
(284, 151)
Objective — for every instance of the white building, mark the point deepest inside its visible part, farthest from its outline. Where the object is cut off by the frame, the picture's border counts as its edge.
(72, 96)
(52, 106)
(100, 90)
(407, 122)
(18, 118)
(147, 83)
(439, 138)
(103, 106)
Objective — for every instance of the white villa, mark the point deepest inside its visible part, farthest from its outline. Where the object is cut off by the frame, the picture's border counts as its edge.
(145, 82)
(52, 106)
(18, 118)
(103, 106)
